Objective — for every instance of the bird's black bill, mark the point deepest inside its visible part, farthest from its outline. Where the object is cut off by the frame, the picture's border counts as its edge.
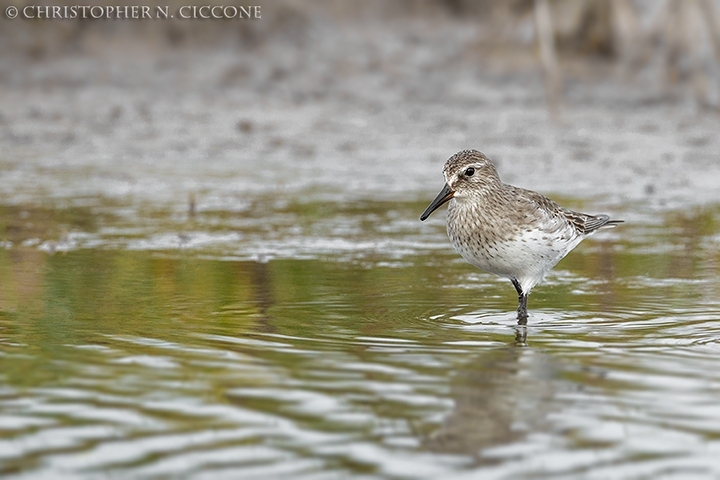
(445, 194)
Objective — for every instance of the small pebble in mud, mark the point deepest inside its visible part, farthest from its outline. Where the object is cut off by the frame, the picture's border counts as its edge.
(245, 126)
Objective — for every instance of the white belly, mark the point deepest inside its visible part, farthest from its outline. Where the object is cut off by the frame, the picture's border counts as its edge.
(527, 257)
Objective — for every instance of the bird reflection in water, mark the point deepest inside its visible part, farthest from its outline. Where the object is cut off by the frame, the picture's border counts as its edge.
(500, 398)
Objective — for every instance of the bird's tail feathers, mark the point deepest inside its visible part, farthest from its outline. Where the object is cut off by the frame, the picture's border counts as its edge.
(597, 222)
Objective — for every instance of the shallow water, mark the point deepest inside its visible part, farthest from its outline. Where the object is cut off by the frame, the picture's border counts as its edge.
(343, 339)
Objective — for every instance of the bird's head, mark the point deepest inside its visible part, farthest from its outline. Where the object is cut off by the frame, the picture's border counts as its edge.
(468, 174)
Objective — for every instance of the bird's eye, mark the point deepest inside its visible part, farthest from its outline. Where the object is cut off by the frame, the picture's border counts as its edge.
(469, 172)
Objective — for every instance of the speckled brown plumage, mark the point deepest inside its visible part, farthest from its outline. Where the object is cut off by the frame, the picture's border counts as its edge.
(507, 230)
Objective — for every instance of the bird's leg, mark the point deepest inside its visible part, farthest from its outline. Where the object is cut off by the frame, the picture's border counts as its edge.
(522, 309)
(522, 303)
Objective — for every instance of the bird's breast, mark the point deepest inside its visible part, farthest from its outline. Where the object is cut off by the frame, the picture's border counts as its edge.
(503, 245)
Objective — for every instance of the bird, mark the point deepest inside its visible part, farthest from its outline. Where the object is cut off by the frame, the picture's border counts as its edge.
(506, 230)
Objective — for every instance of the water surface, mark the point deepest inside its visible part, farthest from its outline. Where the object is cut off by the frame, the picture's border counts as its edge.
(325, 339)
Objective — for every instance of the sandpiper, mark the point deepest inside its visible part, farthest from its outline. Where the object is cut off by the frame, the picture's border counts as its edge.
(506, 230)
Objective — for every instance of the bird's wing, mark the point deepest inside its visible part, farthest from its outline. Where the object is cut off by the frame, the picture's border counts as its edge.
(549, 216)
(583, 223)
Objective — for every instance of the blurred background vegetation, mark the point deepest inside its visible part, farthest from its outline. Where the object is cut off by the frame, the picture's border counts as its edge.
(678, 41)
